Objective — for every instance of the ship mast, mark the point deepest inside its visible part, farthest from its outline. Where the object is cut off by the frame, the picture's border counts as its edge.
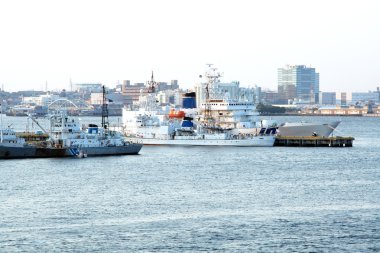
(150, 98)
(105, 122)
(212, 78)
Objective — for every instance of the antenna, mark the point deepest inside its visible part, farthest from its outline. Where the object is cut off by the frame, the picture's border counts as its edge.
(105, 122)
(212, 78)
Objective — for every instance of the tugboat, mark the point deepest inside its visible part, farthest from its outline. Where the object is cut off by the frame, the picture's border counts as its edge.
(68, 139)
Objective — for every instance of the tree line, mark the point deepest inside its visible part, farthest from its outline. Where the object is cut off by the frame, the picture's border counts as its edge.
(269, 109)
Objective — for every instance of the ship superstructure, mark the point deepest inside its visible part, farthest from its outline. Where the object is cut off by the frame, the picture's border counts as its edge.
(10, 139)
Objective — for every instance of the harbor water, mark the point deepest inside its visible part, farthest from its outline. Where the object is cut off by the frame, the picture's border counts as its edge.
(173, 199)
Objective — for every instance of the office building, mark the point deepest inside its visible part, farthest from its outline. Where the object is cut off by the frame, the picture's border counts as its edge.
(174, 84)
(343, 98)
(327, 98)
(365, 97)
(298, 82)
(88, 87)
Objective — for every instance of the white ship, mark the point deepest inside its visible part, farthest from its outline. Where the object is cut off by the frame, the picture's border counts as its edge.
(150, 128)
(307, 129)
(217, 122)
(67, 139)
(93, 140)
(211, 140)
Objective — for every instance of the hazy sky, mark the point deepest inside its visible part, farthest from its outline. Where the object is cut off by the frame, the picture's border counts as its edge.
(106, 41)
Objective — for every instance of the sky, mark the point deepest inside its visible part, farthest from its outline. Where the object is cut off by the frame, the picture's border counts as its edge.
(95, 41)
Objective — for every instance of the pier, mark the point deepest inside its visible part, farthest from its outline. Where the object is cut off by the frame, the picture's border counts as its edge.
(314, 141)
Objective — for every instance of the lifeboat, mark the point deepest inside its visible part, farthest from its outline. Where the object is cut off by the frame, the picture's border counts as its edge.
(176, 114)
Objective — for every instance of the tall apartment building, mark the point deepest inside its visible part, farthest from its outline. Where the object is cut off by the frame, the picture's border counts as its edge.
(298, 82)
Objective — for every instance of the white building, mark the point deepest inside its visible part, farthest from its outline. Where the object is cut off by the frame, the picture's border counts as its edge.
(43, 100)
(327, 98)
(169, 97)
(88, 87)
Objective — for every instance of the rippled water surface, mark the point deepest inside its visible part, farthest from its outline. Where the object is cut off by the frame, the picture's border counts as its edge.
(171, 199)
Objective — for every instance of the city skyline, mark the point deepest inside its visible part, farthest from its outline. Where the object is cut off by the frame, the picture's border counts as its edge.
(88, 41)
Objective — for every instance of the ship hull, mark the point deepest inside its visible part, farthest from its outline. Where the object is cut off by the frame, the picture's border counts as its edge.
(307, 129)
(132, 149)
(31, 152)
(260, 141)
(35, 152)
